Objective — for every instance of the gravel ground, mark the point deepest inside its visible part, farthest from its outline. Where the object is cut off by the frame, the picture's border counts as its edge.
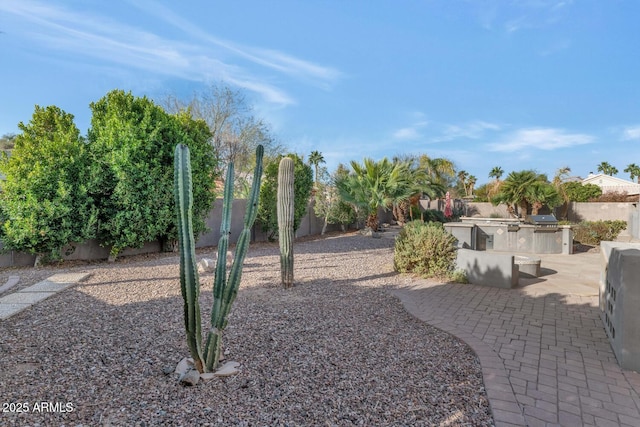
(336, 350)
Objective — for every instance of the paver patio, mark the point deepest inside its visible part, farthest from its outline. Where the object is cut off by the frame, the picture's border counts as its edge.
(545, 356)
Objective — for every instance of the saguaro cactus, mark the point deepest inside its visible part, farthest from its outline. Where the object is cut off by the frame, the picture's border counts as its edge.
(225, 289)
(285, 219)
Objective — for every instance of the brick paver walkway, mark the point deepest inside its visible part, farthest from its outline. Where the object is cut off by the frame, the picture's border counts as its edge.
(545, 358)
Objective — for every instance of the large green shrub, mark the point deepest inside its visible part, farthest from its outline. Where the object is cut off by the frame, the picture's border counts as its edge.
(426, 249)
(302, 185)
(131, 141)
(434, 215)
(577, 192)
(593, 232)
(44, 202)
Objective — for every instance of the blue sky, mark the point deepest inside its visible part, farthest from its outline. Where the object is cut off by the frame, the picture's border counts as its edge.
(529, 84)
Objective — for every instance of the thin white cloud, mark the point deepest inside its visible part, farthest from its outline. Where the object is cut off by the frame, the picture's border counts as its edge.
(270, 58)
(205, 59)
(515, 16)
(411, 132)
(631, 133)
(472, 130)
(540, 139)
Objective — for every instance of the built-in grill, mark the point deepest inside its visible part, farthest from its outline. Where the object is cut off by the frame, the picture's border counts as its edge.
(542, 222)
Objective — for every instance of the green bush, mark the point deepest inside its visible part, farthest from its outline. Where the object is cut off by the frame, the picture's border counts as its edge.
(577, 192)
(44, 201)
(131, 142)
(593, 232)
(425, 249)
(433, 215)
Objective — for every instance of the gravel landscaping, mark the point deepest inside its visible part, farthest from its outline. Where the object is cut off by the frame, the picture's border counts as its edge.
(335, 350)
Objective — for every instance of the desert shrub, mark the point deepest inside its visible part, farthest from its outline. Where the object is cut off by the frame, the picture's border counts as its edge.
(433, 215)
(425, 249)
(613, 196)
(459, 276)
(593, 232)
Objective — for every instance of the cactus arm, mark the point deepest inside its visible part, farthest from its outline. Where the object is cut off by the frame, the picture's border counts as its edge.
(189, 280)
(222, 305)
(286, 219)
(220, 279)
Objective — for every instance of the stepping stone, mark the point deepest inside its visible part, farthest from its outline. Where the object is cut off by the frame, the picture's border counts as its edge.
(7, 310)
(11, 282)
(68, 277)
(25, 297)
(47, 286)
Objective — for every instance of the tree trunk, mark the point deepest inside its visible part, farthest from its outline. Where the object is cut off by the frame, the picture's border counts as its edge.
(372, 222)
(535, 208)
(324, 226)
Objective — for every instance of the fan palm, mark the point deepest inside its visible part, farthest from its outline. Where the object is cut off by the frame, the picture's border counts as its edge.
(607, 169)
(634, 171)
(372, 185)
(513, 191)
(315, 158)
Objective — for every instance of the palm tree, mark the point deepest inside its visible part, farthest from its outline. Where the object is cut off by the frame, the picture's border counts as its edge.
(420, 182)
(496, 173)
(315, 158)
(541, 193)
(513, 191)
(634, 171)
(439, 170)
(607, 169)
(471, 182)
(494, 189)
(558, 181)
(372, 185)
(462, 180)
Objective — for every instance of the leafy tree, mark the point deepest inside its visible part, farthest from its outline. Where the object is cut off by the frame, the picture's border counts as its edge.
(607, 169)
(302, 185)
(481, 193)
(235, 131)
(315, 159)
(577, 192)
(331, 208)
(44, 201)
(373, 185)
(634, 171)
(131, 141)
(7, 141)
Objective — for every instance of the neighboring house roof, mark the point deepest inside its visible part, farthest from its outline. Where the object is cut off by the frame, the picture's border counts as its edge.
(611, 184)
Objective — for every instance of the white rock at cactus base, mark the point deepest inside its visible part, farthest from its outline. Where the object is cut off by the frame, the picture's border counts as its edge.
(229, 368)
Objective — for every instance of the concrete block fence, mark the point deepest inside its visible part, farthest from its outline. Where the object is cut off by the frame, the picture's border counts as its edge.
(91, 249)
